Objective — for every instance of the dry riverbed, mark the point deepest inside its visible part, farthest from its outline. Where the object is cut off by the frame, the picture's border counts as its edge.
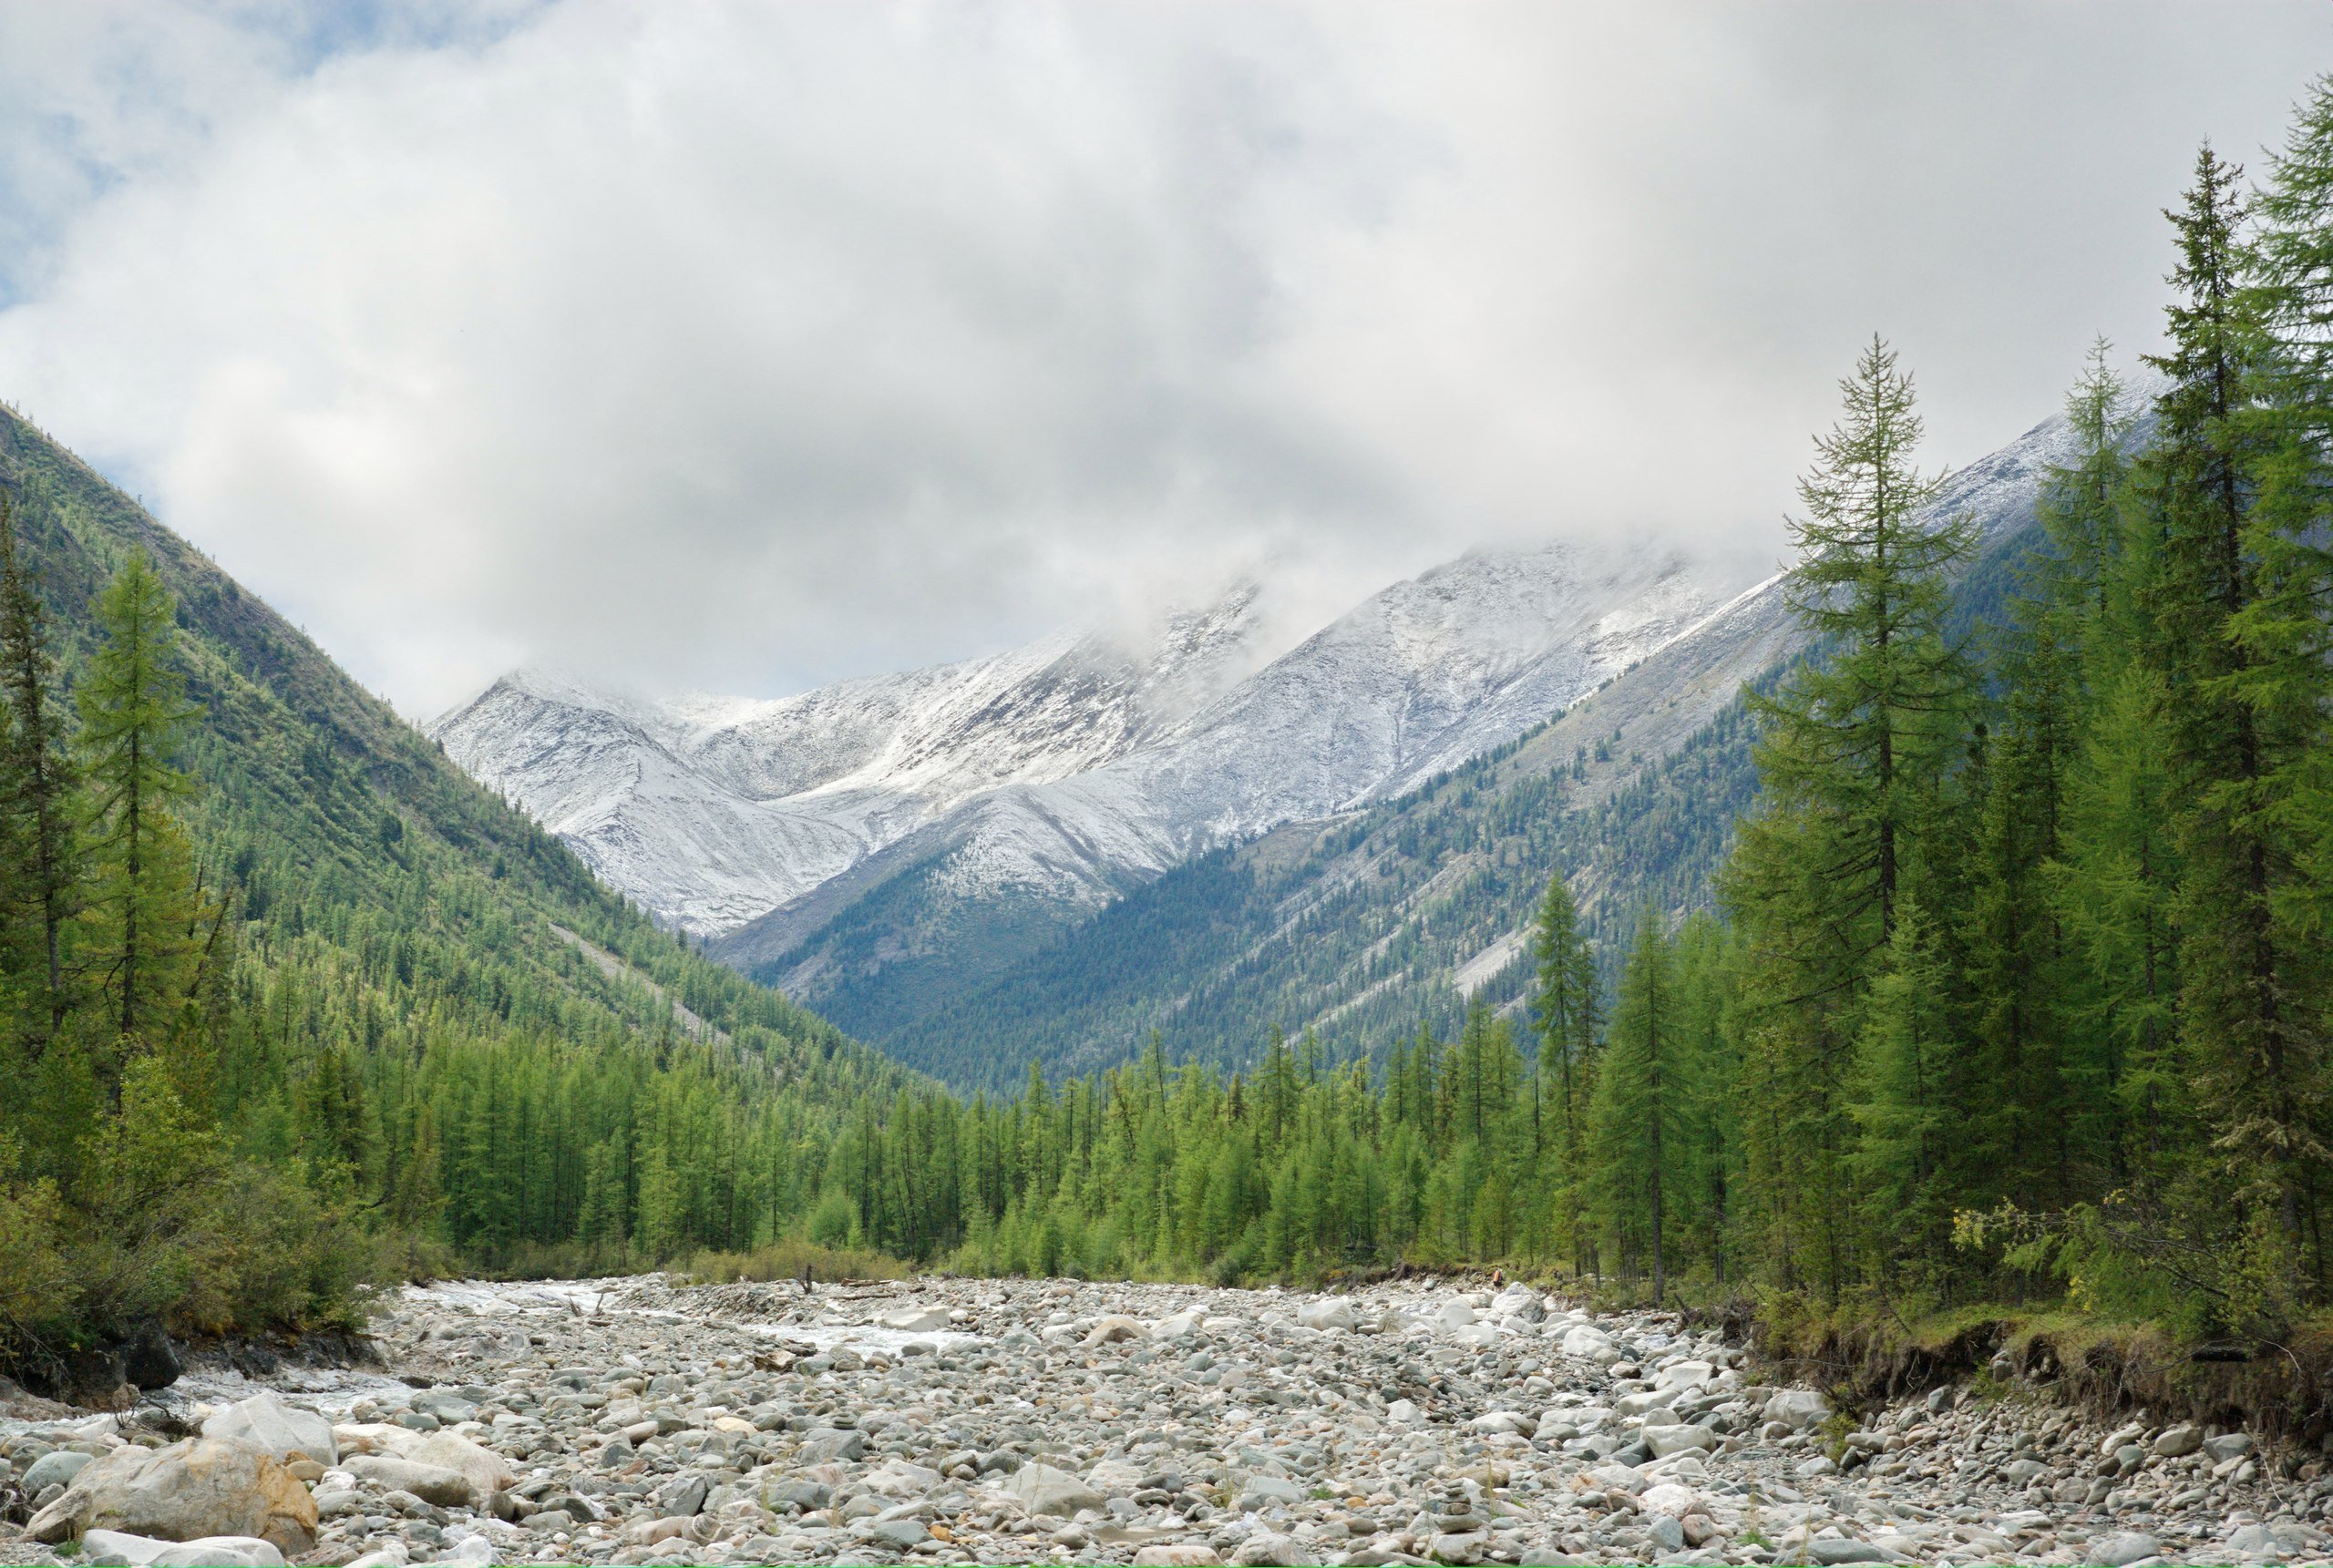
(623, 1421)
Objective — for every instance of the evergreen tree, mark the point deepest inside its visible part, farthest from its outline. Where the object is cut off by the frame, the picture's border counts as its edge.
(1642, 1095)
(37, 782)
(2251, 992)
(133, 708)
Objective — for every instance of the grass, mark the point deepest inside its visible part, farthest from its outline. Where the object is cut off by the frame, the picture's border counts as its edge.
(792, 1259)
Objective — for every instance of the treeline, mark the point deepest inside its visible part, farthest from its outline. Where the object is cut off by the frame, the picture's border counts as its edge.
(2023, 980)
(287, 1006)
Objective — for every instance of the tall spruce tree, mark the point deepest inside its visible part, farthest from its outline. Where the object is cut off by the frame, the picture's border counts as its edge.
(143, 904)
(1852, 752)
(2249, 998)
(36, 780)
(1643, 1093)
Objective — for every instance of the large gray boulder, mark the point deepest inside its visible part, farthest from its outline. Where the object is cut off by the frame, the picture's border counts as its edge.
(429, 1482)
(1799, 1408)
(2122, 1549)
(1671, 1440)
(267, 1424)
(1041, 1488)
(190, 1490)
(55, 1468)
(487, 1471)
(1332, 1312)
(109, 1549)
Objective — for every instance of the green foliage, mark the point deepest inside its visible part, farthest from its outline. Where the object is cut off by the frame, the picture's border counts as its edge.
(295, 1007)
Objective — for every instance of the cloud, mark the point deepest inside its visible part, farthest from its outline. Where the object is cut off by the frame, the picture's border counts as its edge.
(745, 346)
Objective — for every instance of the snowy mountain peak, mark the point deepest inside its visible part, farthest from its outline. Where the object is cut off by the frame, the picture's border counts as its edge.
(1068, 764)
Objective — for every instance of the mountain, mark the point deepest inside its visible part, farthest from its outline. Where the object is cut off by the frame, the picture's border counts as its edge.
(872, 845)
(396, 934)
(1365, 924)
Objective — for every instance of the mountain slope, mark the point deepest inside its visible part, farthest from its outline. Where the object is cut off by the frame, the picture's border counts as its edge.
(1365, 925)
(904, 835)
(382, 903)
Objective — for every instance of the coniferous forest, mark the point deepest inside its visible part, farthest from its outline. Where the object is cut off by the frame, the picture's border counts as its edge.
(2016, 984)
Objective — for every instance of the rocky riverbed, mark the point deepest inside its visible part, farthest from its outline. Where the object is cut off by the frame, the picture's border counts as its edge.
(625, 1421)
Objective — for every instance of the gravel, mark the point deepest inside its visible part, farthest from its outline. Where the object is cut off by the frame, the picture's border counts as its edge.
(945, 1421)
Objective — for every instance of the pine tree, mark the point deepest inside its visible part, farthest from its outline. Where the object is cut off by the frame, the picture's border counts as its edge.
(1642, 1095)
(1905, 1095)
(2250, 1000)
(133, 710)
(1852, 754)
(37, 781)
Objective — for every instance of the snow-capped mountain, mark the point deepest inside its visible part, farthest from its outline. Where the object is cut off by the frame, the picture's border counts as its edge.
(1062, 771)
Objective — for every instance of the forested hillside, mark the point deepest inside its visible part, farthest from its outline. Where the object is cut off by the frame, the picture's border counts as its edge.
(1361, 929)
(374, 1004)
(2018, 987)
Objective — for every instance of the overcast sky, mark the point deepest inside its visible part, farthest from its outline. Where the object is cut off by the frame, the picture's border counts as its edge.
(744, 346)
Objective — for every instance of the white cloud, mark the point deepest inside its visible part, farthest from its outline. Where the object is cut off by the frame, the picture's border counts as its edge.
(748, 345)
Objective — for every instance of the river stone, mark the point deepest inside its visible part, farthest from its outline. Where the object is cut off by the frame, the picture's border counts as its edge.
(487, 1471)
(1041, 1488)
(111, 1549)
(1263, 1490)
(2178, 1442)
(822, 1445)
(267, 1424)
(190, 1490)
(1798, 1408)
(55, 1468)
(1115, 1328)
(2227, 1446)
(1334, 1312)
(916, 1319)
(2122, 1549)
(1668, 1532)
(1176, 1554)
(429, 1482)
(1831, 1550)
(1671, 1440)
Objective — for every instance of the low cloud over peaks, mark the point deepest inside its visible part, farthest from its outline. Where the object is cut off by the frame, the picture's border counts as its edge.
(747, 346)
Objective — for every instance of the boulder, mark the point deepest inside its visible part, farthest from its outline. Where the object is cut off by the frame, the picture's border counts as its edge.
(57, 1467)
(2227, 1446)
(1041, 1488)
(1330, 1312)
(1503, 1422)
(1666, 1441)
(1798, 1408)
(916, 1319)
(487, 1471)
(430, 1482)
(2122, 1549)
(111, 1549)
(1591, 1342)
(1684, 1375)
(1176, 1554)
(1263, 1490)
(267, 1424)
(1669, 1498)
(198, 1488)
(1113, 1328)
(1179, 1327)
(1266, 1550)
(1456, 1314)
(822, 1444)
(149, 1359)
(2178, 1442)
(1831, 1550)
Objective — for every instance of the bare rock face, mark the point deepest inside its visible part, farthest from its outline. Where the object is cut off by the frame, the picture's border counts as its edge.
(202, 1487)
